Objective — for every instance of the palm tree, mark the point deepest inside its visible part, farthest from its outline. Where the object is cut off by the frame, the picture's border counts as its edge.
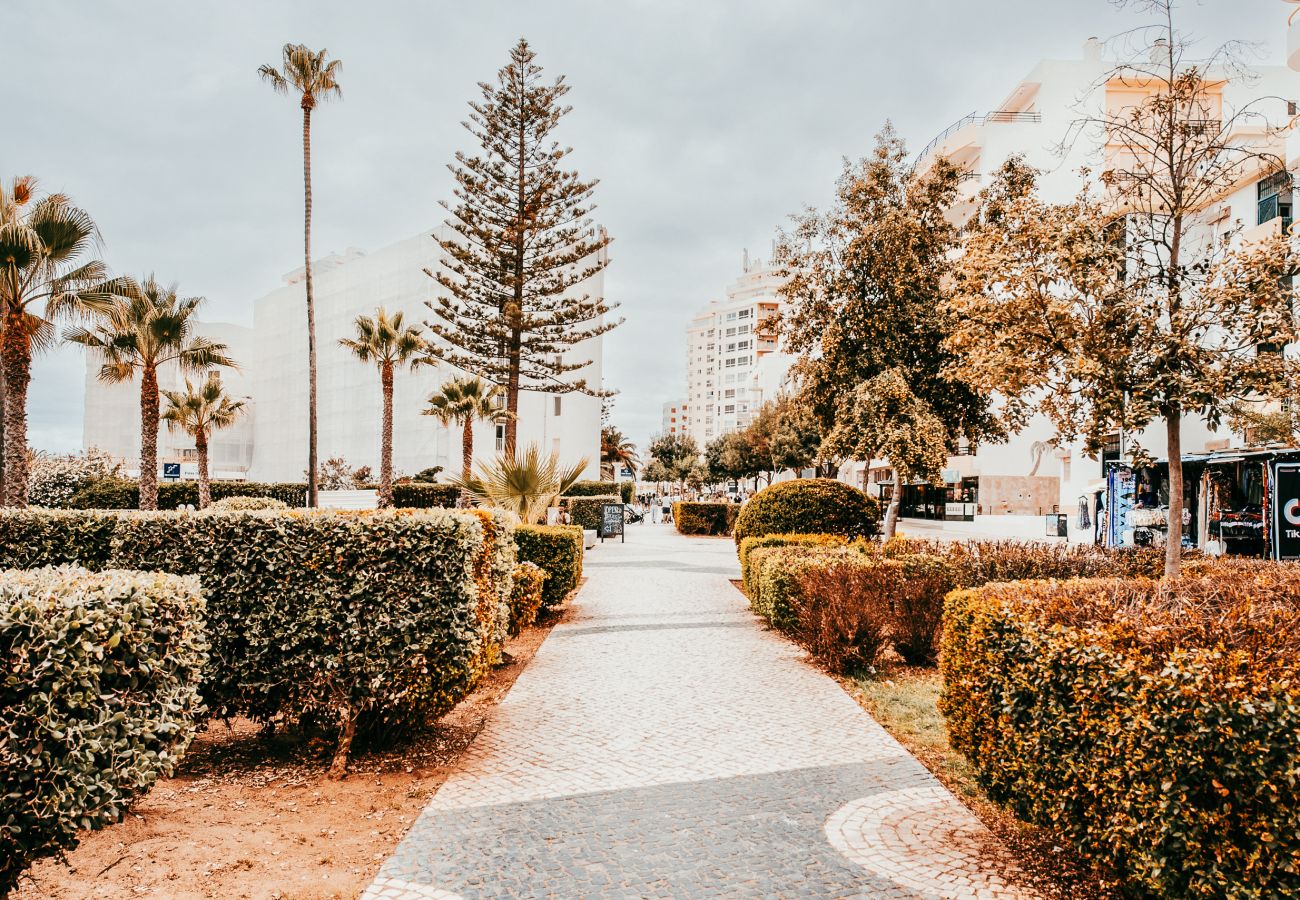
(616, 449)
(388, 342)
(314, 78)
(43, 277)
(199, 411)
(146, 330)
(523, 485)
(464, 401)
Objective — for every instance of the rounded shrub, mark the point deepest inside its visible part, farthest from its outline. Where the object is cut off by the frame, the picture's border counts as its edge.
(809, 506)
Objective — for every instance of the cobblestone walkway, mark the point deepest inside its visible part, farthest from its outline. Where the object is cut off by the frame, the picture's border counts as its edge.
(663, 744)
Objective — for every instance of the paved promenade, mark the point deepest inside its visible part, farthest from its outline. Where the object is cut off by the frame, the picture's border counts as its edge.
(663, 744)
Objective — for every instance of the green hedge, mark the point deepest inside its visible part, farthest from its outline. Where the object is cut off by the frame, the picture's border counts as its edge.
(775, 573)
(624, 489)
(245, 504)
(99, 699)
(123, 493)
(705, 518)
(423, 495)
(30, 539)
(749, 544)
(809, 506)
(585, 511)
(557, 550)
(1156, 727)
(525, 596)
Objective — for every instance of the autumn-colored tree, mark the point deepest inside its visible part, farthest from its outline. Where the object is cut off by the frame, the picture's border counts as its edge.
(312, 77)
(150, 328)
(198, 411)
(883, 418)
(388, 342)
(524, 241)
(866, 286)
(45, 275)
(1126, 306)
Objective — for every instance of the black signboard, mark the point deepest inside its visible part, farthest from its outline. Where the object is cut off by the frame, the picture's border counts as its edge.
(1286, 510)
(611, 521)
(171, 470)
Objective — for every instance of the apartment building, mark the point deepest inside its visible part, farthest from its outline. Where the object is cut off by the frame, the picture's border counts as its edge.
(1006, 489)
(728, 344)
(675, 418)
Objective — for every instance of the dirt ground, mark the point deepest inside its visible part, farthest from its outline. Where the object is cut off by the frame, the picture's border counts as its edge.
(248, 817)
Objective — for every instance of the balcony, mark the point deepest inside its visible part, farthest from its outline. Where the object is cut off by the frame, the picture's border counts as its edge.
(974, 121)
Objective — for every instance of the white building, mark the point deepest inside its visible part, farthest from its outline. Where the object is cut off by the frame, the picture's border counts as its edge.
(728, 345)
(676, 418)
(349, 403)
(1006, 488)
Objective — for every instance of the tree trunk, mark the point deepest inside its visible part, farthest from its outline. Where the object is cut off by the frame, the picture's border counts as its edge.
(512, 397)
(895, 504)
(311, 307)
(467, 447)
(205, 484)
(17, 353)
(386, 445)
(1174, 546)
(347, 731)
(3, 495)
(148, 438)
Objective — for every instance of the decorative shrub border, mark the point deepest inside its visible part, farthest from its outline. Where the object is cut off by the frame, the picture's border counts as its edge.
(557, 550)
(705, 518)
(585, 511)
(424, 495)
(122, 493)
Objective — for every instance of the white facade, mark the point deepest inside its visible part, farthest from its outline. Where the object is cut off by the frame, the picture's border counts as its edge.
(676, 418)
(727, 345)
(112, 415)
(349, 401)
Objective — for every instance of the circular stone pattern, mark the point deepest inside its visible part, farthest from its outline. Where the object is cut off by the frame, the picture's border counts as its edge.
(924, 839)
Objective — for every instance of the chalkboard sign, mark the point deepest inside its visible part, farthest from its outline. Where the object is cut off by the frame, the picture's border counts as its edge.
(611, 521)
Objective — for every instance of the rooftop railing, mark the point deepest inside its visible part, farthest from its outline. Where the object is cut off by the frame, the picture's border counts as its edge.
(997, 116)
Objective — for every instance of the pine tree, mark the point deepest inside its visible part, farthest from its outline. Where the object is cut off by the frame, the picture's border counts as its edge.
(524, 240)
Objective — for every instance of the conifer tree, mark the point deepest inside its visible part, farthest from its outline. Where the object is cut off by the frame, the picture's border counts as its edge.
(524, 243)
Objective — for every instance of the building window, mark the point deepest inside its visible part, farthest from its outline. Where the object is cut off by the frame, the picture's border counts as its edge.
(557, 404)
(729, 408)
(745, 313)
(729, 393)
(743, 329)
(190, 453)
(501, 438)
(1273, 195)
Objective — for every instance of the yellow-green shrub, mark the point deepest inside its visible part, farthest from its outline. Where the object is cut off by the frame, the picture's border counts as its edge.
(557, 550)
(1157, 728)
(585, 512)
(705, 518)
(750, 544)
(98, 699)
(808, 506)
(525, 596)
(775, 574)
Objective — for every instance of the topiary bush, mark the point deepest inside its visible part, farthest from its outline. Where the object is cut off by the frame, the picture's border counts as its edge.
(585, 511)
(245, 504)
(99, 699)
(626, 490)
(30, 539)
(749, 544)
(123, 493)
(525, 596)
(809, 506)
(557, 550)
(1156, 727)
(422, 495)
(705, 518)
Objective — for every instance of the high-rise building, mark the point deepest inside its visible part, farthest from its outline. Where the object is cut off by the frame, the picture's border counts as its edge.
(675, 418)
(726, 344)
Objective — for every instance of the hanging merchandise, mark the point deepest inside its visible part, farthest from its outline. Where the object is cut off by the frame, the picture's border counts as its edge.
(1119, 504)
(1084, 521)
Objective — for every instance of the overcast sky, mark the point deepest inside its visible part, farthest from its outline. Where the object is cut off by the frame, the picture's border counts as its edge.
(707, 123)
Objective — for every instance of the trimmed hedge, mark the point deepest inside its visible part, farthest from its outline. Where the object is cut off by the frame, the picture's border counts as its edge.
(1156, 727)
(585, 511)
(424, 495)
(557, 550)
(749, 544)
(99, 699)
(124, 493)
(525, 596)
(626, 490)
(30, 539)
(245, 504)
(775, 573)
(705, 518)
(809, 506)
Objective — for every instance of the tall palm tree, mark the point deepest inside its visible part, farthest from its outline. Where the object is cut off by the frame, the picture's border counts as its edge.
(199, 411)
(388, 342)
(464, 401)
(314, 78)
(146, 330)
(616, 449)
(44, 276)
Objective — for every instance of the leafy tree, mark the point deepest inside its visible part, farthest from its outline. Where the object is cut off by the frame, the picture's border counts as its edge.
(45, 275)
(464, 401)
(616, 450)
(523, 240)
(788, 433)
(313, 78)
(883, 418)
(1125, 307)
(149, 328)
(335, 474)
(389, 343)
(866, 287)
(677, 455)
(199, 411)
